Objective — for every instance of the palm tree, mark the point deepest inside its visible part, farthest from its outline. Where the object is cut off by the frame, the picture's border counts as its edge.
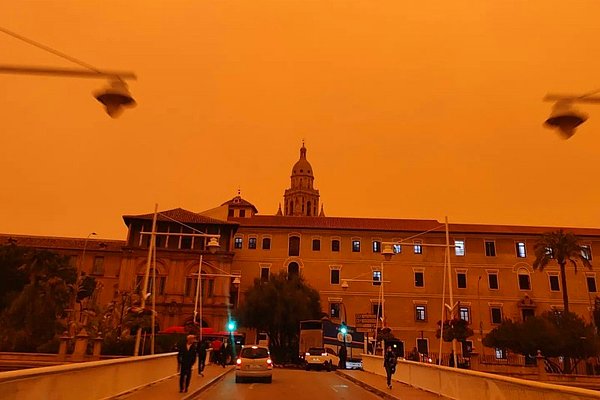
(562, 247)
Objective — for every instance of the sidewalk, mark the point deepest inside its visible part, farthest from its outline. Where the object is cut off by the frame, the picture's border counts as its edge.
(169, 388)
(377, 384)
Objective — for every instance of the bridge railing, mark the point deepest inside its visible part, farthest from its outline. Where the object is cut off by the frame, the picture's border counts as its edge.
(88, 380)
(462, 384)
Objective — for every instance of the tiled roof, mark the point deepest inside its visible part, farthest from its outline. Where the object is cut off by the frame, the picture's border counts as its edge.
(180, 215)
(238, 201)
(49, 242)
(383, 224)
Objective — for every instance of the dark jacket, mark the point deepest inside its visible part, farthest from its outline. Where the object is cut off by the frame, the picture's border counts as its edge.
(202, 350)
(390, 360)
(186, 357)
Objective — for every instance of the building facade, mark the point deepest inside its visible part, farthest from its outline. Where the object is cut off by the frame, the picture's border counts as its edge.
(490, 266)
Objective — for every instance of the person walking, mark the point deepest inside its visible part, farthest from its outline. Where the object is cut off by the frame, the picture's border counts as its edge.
(223, 354)
(201, 357)
(187, 358)
(389, 363)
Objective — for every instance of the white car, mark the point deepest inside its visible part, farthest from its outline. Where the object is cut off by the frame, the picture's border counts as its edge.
(254, 362)
(321, 358)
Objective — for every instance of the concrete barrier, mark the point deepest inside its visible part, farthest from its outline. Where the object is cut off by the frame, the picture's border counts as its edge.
(90, 380)
(463, 384)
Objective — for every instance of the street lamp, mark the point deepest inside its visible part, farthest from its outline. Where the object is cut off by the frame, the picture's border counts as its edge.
(78, 278)
(564, 116)
(114, 98)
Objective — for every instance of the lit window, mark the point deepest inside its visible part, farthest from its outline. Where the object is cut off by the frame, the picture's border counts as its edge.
(334, 310)
(554, 283)
(376, 278)
(463, 313)
(420, 313)
(521, 249)
(459, 247)
(238, 242)
(500, 353)
(252, 243)
(586, 252)
(397, 248)
(490, 248)
(549, 252)
(417, 247)
(356, 246)
(376, 246)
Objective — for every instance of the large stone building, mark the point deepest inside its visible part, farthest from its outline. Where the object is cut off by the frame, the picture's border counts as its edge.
(491, 265)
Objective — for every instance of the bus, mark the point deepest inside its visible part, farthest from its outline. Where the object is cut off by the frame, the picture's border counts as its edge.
(324, 333)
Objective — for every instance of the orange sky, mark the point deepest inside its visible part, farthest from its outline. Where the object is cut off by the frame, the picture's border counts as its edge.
(408, 109)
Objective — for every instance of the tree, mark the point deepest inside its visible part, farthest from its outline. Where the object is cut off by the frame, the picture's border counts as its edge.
(12, 277)
(36, 314)
(553, 333)
(562, 247)
(277, 307)
(455, 329)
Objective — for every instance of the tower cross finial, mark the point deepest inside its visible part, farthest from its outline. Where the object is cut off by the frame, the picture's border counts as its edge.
(239, 191)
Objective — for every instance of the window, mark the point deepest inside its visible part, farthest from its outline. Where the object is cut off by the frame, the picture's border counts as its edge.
(98, 267)
(459, 247)
(496, 313)
(376, 278)
(417, 247)
(521, 249)
(266, 243)
(230, 212)
(191, 284)
(524, 282)
(264, 274)
(467, 348)
(500, 353)
(376, 246)
(334, 310)
(419, 279)
(463, 313)
(355, 246)
(242, 213)
(550, 252)
(461, 280)
(591, 283)
(376, 309)
(490, 248)
(586, 252)
(527, 313)
(316, 244)
(293, 270)
(237, 242)
(160, 283)
(397, 248)
(493, 280)
(252, 243)
(420, 313)
(554, 283)
(294, 246)
(334, 276)
(335, 245)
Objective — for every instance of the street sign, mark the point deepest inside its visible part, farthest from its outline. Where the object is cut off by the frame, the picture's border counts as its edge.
(366, 330)
(340, 337)
(365, 319)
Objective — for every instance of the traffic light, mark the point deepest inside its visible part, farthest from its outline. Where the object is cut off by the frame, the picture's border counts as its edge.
(343, 328)
(231, 325)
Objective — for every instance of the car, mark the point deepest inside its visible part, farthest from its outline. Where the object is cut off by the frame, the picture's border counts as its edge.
(321, 357)
(254, 362)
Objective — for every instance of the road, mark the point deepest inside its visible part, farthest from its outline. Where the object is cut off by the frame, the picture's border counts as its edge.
(289, 384)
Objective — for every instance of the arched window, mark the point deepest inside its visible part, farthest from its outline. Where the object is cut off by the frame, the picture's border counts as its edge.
(294, 246)
(160, 282)
(308, 208)
(293, 270)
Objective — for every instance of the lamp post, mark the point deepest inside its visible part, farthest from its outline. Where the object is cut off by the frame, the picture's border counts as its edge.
(388, 253)
(564, 116)
(78, 279)
(213, 246)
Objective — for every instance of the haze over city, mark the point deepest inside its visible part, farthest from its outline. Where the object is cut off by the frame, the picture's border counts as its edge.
(407, 111)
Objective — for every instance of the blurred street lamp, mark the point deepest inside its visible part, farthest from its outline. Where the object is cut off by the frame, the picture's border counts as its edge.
(564, 116)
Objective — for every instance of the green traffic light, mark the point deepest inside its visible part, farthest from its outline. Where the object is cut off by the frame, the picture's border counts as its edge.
(231, 326)
(343, 329)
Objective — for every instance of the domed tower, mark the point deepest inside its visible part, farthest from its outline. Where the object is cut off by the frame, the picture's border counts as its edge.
(302, 199)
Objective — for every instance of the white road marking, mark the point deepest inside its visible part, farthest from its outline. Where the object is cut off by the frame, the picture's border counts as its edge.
(338, 386)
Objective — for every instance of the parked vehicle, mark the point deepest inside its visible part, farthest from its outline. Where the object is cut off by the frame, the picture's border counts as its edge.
(321, 358)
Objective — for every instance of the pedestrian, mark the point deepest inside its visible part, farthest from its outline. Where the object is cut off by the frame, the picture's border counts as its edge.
(343, 356)
(389, 363)
(187, 358)
(223, 354)
(216, 351)
(201, 357)
(414, 355)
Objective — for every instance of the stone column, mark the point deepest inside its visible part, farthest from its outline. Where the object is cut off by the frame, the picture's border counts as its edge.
(542, 375)
(81, 342)
(98, 346)
(64, 344)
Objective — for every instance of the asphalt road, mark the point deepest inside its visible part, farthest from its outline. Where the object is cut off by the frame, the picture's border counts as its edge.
(289, 384)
